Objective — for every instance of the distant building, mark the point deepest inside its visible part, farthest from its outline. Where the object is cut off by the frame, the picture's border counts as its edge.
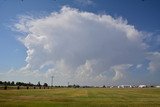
(124, 86)
(142, 86)
(108, 86)
(158, 86)
(113, 86)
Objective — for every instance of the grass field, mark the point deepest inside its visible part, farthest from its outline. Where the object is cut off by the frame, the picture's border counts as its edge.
(82, 97)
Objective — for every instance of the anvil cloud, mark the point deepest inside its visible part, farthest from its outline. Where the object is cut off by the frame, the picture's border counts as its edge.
(82, 47)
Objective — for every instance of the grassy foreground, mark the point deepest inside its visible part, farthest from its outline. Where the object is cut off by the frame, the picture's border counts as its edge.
(83, 97)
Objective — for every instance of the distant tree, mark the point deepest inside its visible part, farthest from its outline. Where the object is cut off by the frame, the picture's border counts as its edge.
(39, 84)
(104, 86)
(12, 83)
(69, 86)
(5, 83)
(1, 82)
(45, 85)
(30, 84)
(75, 86)
(18, 83)
(8, 83)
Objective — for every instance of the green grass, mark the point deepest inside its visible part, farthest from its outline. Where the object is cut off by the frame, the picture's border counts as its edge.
(83, 97)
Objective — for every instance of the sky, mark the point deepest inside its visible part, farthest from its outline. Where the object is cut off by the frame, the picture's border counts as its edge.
(85, 42)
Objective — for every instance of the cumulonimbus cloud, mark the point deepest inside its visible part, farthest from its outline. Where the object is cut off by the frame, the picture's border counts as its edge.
(81, 47)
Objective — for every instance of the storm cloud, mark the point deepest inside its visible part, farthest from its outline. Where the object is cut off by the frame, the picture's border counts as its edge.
(81, 47)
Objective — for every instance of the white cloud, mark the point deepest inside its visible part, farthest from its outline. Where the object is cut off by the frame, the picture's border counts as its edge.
(80, 46)
(154, 65)
(139, 66)
(120, 71)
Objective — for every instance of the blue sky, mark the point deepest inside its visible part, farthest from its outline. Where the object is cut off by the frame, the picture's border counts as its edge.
(143, 15)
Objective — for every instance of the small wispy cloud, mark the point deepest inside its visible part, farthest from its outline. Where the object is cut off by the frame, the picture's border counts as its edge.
(84, 2)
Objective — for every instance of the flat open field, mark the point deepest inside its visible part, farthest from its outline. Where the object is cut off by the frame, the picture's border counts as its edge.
(80, 97)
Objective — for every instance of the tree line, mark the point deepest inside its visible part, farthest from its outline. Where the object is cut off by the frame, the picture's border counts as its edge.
(12, 83)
